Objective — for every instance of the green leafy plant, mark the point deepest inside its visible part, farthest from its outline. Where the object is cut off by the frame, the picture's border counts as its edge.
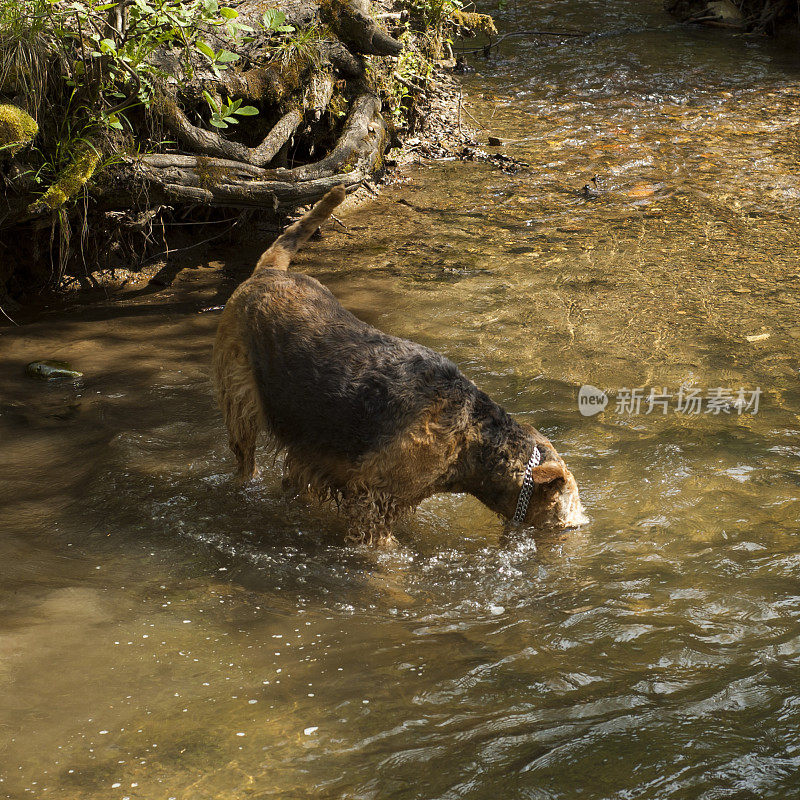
(101, 56)
(413, 70)
(298, 48)
(275, 21)
(224, 114)
(219, 58)
(110, 63)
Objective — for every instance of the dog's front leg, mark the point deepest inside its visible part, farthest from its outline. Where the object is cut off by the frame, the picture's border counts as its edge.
(369, 518)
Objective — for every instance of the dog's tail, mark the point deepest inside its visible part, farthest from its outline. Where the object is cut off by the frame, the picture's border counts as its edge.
(295, 236)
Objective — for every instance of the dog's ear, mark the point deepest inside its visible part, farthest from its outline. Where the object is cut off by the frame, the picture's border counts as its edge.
(548, 472)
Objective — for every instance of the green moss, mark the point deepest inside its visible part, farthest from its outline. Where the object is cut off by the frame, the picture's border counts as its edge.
(338, 105)
(211, 174)
(70, 181)
(475, 23)
(17, 127)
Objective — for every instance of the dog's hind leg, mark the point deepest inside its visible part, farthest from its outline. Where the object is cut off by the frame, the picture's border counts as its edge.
(243, 430)
(241, 410)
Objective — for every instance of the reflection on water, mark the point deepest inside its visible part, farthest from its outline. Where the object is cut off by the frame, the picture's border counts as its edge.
(165, 634)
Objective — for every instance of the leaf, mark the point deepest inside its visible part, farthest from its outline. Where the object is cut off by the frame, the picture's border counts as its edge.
(247, 111)
(228, 13)
(226, 57)
(105, 7)
(205, 49)
(232, 120)
(210, 101)
(218, 122)
(274, 19)
(108, 46)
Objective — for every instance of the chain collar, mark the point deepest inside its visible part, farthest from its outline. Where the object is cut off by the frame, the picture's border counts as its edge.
(527, 487)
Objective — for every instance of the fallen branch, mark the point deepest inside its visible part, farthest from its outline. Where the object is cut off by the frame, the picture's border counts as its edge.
(561, 34)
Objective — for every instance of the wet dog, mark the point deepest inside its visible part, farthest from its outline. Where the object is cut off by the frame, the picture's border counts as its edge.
(374, 422)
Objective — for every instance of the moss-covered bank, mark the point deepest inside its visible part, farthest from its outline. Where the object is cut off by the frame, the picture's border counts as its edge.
(115, 118)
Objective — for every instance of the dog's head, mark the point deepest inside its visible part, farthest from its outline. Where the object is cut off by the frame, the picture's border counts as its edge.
(554, 499)
(493, 469)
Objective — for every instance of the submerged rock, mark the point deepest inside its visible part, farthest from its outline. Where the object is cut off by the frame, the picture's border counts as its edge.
(725, 11)
(52, 370)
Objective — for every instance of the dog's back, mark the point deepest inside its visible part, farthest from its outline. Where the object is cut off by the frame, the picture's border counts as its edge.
(328, 381)
(323, 384)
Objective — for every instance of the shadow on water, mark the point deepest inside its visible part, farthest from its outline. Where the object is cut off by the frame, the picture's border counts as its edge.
(164, 633)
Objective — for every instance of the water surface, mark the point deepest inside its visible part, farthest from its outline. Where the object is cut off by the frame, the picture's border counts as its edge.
(165, 634)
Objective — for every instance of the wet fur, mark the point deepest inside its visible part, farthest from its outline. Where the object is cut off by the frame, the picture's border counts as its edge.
(374, 422)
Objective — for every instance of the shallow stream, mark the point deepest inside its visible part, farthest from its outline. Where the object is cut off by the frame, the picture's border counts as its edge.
(164, 634)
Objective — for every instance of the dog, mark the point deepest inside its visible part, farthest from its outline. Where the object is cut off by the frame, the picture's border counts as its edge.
(371, 421)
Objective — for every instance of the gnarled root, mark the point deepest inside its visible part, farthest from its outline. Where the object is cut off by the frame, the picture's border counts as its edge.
(212, 144)
(227, 182)
(351, 21)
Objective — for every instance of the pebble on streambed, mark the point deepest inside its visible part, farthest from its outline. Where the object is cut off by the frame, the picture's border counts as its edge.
(52, 370)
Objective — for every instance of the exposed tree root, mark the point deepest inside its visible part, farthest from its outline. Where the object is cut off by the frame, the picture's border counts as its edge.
(755, 16)
(223, 182)
(350, 20)
(211, 116)
(211, 143)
